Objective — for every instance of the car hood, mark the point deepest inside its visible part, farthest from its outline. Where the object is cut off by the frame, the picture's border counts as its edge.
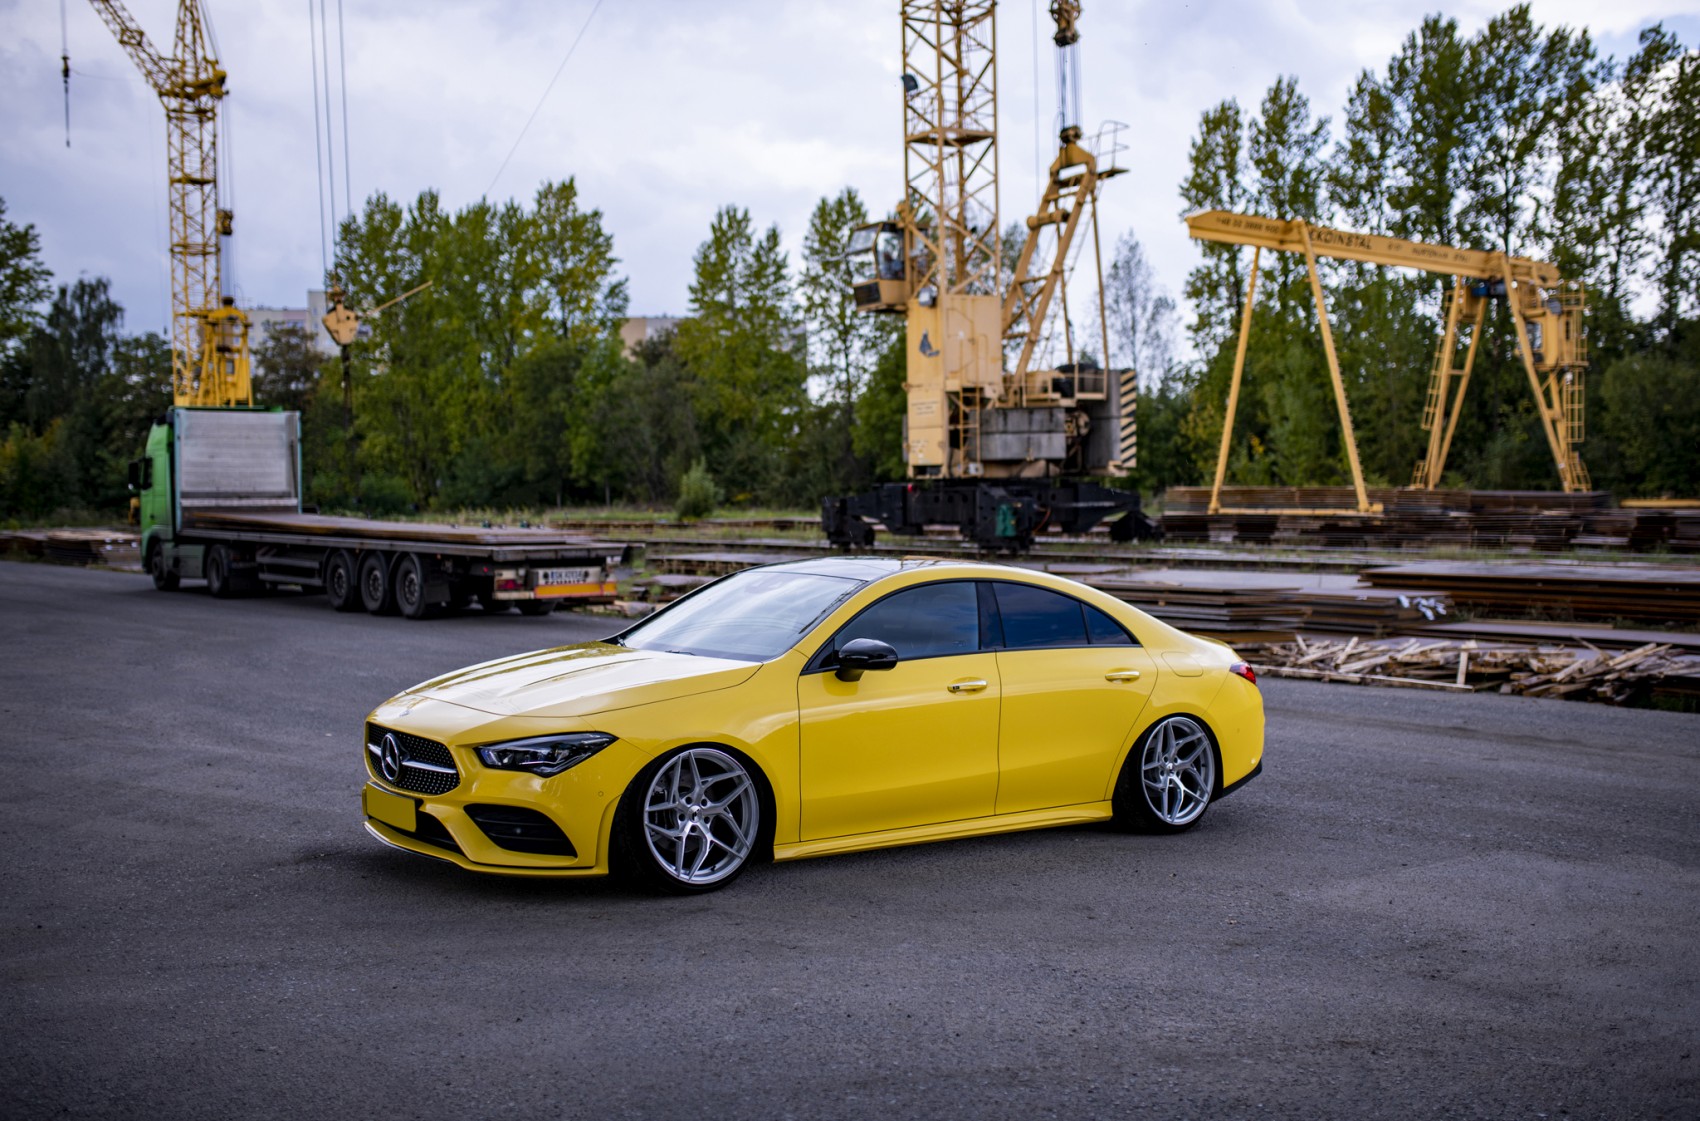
(581, 680)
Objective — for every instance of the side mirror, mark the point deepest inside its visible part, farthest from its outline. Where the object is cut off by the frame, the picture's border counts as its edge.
(862, 654)
(135, 474)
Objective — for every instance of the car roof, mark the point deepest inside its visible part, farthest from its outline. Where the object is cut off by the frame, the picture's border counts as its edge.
(869, 569)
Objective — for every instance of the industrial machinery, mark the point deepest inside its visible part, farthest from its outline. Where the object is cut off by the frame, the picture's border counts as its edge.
(209, 334)
(1005, 419)
(1546, 310)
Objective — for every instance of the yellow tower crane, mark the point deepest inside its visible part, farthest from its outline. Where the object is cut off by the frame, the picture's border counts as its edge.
(209, 334)
(1005, 419)
(1546, 310)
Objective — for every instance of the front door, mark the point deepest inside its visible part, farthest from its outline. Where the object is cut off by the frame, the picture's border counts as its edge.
(913, 745)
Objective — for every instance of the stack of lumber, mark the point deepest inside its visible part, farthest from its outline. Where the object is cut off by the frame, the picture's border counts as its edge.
(1217, 609)
(1644, 592)
(1248, 606)
(1533, 520)
(1579, 673)
(115, 547)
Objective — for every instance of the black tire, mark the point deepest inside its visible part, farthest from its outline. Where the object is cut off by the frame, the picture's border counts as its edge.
(657, 865)
(492, 605)
(1170, 777)
(377, 590)
(165, 578)
(342, 585)
(410, 586)
(218, 572)
(536, 606)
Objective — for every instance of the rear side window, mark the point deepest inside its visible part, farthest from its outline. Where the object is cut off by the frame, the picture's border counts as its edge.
(1104, 630)
(928, 621)
(1038, 617)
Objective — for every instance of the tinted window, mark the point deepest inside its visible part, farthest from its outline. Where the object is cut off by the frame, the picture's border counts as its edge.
(922, 622)
(1039, 617)
(1104, 630)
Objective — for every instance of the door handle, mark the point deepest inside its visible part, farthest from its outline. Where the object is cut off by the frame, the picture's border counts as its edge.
(971, 685)
(1122, 675)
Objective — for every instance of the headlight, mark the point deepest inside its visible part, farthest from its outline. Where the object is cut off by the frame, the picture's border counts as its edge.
(545, 755)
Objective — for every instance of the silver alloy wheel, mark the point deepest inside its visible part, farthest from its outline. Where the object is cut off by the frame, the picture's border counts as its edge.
(701, 816)
(1177, 770)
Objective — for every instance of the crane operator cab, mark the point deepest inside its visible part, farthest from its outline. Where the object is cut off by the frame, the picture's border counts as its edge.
(879, 280)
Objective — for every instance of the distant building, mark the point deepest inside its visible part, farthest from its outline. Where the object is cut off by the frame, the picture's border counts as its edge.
(639, 329)
(264, 320)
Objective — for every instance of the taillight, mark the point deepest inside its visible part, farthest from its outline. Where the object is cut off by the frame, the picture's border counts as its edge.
(1245, 671)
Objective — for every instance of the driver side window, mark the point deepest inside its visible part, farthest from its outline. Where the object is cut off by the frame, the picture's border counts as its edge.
(930, 621)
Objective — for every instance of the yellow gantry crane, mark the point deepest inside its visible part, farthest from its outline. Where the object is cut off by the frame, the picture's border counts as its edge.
(1546, 309)
(209, 334)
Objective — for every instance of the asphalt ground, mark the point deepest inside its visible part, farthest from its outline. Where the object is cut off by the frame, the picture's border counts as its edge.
(1428, 906)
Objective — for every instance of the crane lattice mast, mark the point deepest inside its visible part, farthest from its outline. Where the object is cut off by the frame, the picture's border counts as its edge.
(209, 334)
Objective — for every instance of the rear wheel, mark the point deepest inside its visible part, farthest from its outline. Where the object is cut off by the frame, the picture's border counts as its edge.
(1169, 777)
(341, 587)
(410, 586)
(165, 577)
(218, 572)
(691, 821)
(377, 590)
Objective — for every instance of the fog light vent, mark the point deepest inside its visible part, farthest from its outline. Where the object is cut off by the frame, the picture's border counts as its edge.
(521, 830)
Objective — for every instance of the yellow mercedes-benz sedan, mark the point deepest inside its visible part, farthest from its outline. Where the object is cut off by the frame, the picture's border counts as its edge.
(815, 707)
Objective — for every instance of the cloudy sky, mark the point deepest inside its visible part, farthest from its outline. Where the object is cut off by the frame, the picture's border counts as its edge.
(668, 110)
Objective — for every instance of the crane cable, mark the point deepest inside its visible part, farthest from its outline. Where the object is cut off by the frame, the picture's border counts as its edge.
(545, 97)
(318, 144)
(65, 68)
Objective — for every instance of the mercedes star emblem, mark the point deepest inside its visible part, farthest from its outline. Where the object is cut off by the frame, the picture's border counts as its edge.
(391, 758)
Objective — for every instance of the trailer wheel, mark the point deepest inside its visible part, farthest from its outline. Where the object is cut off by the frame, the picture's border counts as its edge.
(341, 585)
(218, 572)
(377, 590)
(410, 586)
(165, 578)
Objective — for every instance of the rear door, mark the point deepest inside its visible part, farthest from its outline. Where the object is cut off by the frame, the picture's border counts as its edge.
(913, 745)
(1074, 681)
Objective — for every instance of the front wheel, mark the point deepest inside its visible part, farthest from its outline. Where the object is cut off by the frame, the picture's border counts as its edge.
(691, 820)
(165, 577)
(1169, 777)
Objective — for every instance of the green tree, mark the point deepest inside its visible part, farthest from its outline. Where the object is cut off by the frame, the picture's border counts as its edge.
(24, 283)
(286, 367)
(744, 349)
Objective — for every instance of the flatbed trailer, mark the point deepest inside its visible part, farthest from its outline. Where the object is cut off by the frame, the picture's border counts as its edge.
(220, 501)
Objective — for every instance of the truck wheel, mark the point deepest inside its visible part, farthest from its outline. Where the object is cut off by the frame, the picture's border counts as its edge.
(410, 586)
(165, 578)
(218, 572)
(341, 583)
(492, 605)
(536, 606)
(377, 590)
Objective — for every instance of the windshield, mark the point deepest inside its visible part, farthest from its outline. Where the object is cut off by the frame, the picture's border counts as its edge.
(752, 616)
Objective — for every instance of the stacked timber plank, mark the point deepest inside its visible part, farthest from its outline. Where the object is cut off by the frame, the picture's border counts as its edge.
(1652, 593)
(1528, 520)
(115, 547)
(1581, 673)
